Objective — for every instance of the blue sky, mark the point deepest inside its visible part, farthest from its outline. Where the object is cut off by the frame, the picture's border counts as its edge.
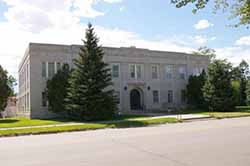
(152, 24)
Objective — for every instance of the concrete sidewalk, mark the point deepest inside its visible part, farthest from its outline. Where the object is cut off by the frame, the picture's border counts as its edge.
(182, 117)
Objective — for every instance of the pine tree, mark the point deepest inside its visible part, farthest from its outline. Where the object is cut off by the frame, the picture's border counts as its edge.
(90, 95)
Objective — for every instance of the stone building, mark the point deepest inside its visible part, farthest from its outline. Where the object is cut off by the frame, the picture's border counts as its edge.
(11, 108)
(144, 80)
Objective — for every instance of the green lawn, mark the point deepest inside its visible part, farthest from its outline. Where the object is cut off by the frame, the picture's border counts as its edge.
(21, 122)
(57, 129)
(131, 122)
(240, 111)
(220, 115)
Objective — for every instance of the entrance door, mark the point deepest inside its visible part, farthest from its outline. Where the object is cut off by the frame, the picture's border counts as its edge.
(135, 100)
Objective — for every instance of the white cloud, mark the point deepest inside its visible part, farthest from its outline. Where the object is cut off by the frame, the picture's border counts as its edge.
(233, 54)
(244, 40)
(28, 18)
(37, 15)
(84, 9)
(122, 9)
(213, 38)
(203, 24)
(201, 40)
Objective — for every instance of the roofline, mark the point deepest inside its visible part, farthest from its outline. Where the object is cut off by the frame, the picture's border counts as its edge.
(108, 47)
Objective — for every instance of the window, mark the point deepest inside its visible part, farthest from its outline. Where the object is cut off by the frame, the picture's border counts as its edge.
(28, 100)
(170, 96)
(135, 71)
(196, 71)
(201, 70)
(183, 96)
(58, 66)
(132, 71)
(28, 75)
(25, 103)
(182, 72)
(155, 72)
(115, 70)
(138, 71)
(44, 99)
(51, 68)
(155, 96)
(44, 69)
(117, 95)
(169, 71)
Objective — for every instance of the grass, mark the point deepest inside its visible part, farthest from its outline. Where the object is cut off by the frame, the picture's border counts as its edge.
(22, 122)
(57, 129)
(221, 115)
(129, 117)
(240, 111)
(242, 108)
(131, 122)
(140, 122)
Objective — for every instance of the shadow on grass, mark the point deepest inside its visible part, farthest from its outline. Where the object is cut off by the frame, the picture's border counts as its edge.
(117, 118)
(125, 124)
(117, 122)
(122, 121)
(8, 120)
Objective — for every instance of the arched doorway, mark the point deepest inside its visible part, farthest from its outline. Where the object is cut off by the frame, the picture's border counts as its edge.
(135, 100)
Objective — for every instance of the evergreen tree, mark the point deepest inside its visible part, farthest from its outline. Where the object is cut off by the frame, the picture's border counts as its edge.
(218, 91)
(56, 89)
(90, 95)
(194, 91)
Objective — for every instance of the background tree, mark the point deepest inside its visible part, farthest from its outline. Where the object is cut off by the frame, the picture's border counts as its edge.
(241, 74)
(247, 91)
(206, 51)
(194, 91)
(218, 91)
(90, 95)
(238, 8)
(57, 89)
(237, 96)
(11, 83)
(6, 87)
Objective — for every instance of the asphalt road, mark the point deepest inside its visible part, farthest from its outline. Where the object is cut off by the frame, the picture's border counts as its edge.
(202, 143)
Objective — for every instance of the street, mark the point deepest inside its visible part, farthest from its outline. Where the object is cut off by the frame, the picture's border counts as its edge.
(201, 143)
